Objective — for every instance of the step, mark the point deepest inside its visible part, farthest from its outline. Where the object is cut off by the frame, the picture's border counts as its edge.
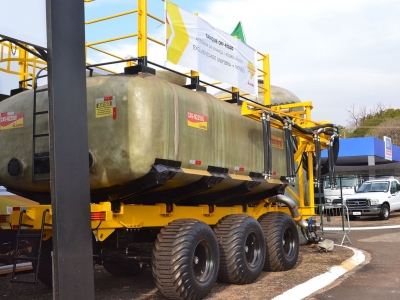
(40, 135)
(28, 235)
(25, 258)
(42, 112)
(22, 281)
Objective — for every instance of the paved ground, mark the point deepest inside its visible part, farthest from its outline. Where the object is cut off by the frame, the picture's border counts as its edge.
(380, 278)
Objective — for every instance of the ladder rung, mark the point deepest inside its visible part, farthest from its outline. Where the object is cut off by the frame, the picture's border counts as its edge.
(40, 135)
(25, 258)
(41, 90)
(41, 179)
(22, 281)
(28, 235)
(42, 112)
(48, 224)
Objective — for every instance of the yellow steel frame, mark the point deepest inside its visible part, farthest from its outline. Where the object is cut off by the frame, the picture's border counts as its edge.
(305, 142)
(28, 63)
(143, 216)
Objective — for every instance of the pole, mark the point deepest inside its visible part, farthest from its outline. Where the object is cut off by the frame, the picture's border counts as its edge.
(70, 192)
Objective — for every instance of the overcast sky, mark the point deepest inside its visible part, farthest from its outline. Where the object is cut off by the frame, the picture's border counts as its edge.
(333, 53)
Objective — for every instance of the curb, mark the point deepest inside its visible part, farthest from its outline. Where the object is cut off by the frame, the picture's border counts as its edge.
(311, 286)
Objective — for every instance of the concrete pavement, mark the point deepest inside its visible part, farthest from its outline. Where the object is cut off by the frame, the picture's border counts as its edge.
(380, 278)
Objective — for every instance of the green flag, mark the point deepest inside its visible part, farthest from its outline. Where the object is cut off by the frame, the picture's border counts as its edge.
(238, 32)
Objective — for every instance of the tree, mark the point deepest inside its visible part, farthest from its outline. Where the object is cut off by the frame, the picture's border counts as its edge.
(363, 122)
(390, 128)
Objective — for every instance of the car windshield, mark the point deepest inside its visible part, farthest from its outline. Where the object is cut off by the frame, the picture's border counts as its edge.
(346, 182)
(379, 186)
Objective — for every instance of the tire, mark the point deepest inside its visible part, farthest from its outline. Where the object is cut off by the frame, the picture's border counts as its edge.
(282, 240)
(185, 259)
(242, 249)
(385, 212)
(124, 268)
(45, 273)
(352, 217)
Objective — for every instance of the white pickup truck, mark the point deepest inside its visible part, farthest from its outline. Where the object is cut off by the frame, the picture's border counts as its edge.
(374, 197)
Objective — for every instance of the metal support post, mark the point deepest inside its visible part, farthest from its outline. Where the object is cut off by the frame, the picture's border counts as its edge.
(69, 159)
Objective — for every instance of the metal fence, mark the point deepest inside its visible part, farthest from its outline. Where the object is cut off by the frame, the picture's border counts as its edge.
(334, 219)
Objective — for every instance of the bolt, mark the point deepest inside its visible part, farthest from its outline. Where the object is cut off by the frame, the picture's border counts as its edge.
(196, 260)
(246, 249)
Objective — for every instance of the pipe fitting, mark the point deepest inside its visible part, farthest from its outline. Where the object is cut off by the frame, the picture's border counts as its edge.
(292, 207)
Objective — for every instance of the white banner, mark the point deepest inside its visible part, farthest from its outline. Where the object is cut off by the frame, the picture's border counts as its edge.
(193, 43)
(24, 20)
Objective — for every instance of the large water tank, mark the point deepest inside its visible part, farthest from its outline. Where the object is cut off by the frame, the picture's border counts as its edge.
(134, 120)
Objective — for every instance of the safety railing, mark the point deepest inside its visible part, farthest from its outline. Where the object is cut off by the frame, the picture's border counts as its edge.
(334, 219)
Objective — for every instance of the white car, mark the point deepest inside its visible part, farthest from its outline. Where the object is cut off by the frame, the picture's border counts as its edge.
(374, 197)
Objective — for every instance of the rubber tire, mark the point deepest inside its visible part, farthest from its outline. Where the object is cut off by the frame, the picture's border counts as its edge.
(282, 240)
(384, 214)
(352, 217)
(175, 249)
(124, 268)
(45, 274)
(234, 233)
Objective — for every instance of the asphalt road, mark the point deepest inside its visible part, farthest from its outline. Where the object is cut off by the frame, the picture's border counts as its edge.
(378, 279)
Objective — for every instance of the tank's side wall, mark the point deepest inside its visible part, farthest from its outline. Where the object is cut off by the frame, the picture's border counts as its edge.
(151, 122)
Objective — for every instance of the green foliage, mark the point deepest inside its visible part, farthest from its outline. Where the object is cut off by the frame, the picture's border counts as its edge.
(373, 121)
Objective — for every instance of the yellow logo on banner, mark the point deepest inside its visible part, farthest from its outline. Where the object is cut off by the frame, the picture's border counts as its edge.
(251, 69)
(180, 38)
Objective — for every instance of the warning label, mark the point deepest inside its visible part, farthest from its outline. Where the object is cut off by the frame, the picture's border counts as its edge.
(106, 107)
(277, 142)
(196, 120)
(11, 120)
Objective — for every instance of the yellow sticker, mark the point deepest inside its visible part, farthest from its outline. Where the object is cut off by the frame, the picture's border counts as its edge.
(106, 107)
(196, 120)
(277, 142)
(11, 120)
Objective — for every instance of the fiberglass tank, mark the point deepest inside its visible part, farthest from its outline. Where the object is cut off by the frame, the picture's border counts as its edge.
(132, 121)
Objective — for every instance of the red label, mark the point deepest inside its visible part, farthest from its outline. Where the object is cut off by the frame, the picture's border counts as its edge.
(196, 120)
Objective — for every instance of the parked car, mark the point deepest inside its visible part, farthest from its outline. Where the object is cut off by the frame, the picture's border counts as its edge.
(374, 197)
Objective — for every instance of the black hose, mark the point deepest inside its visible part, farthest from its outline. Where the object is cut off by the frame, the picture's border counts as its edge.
(288, 152)
(317, 160)
(265, 142)
(292, 166)
(269, 143)
(335, 154)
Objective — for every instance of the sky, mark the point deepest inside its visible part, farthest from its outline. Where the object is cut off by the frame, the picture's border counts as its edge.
(337, 54)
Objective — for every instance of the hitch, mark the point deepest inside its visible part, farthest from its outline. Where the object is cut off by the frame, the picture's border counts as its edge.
(310, 234)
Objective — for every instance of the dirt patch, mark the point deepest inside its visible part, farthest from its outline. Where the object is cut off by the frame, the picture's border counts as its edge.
(311, 263)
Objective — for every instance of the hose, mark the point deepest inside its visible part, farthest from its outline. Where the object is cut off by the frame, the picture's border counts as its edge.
(292, 208)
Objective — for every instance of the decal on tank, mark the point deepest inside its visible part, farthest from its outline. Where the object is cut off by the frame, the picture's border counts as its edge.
(11, 120)
(197, 120)
(195, 162)
(277, 142)
(106, 107)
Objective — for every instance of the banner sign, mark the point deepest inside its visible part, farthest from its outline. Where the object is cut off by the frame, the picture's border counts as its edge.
(388, 147)
(193, 43)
